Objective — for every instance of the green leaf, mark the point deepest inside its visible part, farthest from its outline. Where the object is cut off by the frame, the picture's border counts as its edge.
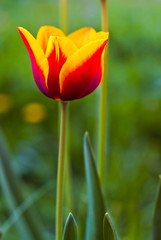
(70, 229)
(96, 209)
(108, 230)
(28, 224)
(157, 215)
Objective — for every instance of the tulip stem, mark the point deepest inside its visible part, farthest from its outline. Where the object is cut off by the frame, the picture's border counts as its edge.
(103, 102)
(67, 177)
(104, 15)
(63, 15)
(60, 173)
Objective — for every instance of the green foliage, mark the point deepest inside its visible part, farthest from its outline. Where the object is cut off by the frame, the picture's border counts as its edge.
(27, 223)
(157, 215)
(70, 229)
(96, 209)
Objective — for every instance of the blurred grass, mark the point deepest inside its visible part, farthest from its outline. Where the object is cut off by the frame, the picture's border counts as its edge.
(134, 153)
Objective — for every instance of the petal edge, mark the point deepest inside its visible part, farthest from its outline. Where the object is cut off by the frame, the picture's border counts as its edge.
(39, 62)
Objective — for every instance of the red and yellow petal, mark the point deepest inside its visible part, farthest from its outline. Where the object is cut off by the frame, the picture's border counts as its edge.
(82, 72)
(39, 62)
(58, 50)
(44, 34)
(81, 36)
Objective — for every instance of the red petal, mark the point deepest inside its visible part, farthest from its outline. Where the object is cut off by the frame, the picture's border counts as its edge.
(58, 50)
(82, 72)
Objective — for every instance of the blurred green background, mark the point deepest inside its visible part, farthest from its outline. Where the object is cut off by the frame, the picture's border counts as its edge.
(30, 121)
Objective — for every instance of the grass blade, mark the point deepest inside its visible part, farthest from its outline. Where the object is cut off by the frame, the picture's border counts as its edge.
(27, 225)
(19, 211)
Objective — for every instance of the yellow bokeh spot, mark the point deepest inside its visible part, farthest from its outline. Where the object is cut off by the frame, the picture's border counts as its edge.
(34, 112)
(5, 103)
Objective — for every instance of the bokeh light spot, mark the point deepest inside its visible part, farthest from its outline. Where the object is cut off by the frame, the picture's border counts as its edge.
(34, 112)
(5, 103)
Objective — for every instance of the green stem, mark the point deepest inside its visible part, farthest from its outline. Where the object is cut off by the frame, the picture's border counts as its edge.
(63, 16)
(60, 173)
(103, 102)
(67, 177)
(104, 15)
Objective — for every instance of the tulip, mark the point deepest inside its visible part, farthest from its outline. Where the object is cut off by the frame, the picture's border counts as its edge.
(69, 67)
(65, 68)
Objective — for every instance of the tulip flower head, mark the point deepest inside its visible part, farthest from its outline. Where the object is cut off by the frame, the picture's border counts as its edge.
(69, 67)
